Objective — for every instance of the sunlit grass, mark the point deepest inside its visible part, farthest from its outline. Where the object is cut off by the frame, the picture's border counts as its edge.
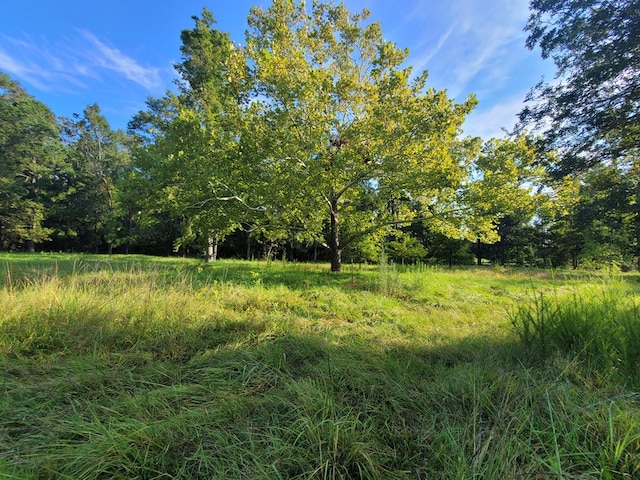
(134, 367)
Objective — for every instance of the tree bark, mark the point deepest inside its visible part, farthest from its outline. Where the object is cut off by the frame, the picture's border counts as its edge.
(212, 250)
(30, 245)
(336, 260)
(334, 238)
(636, 216)
(637, 220)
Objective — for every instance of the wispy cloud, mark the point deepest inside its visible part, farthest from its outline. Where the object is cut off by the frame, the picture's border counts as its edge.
(113, 59)
(492, 123)
(73, 64)
(18, 69)
(38, 67)
(481, 39)
(424, 60)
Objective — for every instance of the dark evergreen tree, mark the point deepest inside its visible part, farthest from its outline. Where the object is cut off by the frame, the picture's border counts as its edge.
(30, 166)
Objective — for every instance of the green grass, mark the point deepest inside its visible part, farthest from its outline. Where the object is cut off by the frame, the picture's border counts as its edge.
(598, 324)
(138, 367)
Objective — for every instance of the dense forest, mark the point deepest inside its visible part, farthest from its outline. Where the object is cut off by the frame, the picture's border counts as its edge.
(315, 141)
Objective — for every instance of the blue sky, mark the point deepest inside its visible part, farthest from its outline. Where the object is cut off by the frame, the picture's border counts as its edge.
(117, 53)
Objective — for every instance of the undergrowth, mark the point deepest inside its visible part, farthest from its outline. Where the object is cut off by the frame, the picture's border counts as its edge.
(158, 369)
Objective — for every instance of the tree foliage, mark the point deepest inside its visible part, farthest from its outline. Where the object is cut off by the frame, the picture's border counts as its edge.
(346, 135)
(29, 160)
(591, 114)
(100, 159)
(592, 111)
(192, 152)
(507, 180)
(314, 139)
(312, 131)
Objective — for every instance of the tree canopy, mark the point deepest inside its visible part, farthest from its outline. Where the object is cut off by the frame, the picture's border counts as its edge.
(314, 137)
(591, 112)
(316, 123)
(29, 158)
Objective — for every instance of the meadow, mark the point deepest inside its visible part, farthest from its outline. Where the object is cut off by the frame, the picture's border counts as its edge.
(131, 367)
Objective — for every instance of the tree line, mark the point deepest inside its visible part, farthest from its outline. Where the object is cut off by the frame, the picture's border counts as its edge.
(313, 140)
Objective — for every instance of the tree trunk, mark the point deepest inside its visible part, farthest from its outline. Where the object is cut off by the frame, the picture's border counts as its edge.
(336, 260)
(636, 218)
(478, 253)
(212, 250)
(129, 230)
(30, 245)
(334, 238)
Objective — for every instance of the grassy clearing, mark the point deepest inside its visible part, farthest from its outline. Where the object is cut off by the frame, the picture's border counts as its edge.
(133, 367)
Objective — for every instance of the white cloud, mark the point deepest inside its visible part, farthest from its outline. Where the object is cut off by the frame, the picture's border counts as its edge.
(482, 42)
(113, 59)
(29, 73)
(10, 64)
(422, 62)
(72, 64)
(492, 122)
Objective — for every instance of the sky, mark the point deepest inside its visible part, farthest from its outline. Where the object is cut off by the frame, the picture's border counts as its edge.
(117, 53)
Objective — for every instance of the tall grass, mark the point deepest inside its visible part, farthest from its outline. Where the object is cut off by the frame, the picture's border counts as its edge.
(599, 326)
(173, 369)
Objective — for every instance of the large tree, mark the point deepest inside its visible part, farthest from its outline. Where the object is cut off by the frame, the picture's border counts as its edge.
(192, 152)
(344, 136)
(590, 219)
(312, 131)
(100, 159)
(506, 191)
(29, 162)
(591, 112)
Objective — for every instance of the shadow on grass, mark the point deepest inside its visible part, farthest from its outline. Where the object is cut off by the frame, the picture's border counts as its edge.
(238, 403)
(96, 392)
(244, 401)
(23, 268)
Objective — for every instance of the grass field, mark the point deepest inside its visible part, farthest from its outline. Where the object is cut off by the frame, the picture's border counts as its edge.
(133, 367)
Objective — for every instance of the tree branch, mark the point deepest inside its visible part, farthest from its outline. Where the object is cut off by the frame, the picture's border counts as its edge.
(228, 198)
